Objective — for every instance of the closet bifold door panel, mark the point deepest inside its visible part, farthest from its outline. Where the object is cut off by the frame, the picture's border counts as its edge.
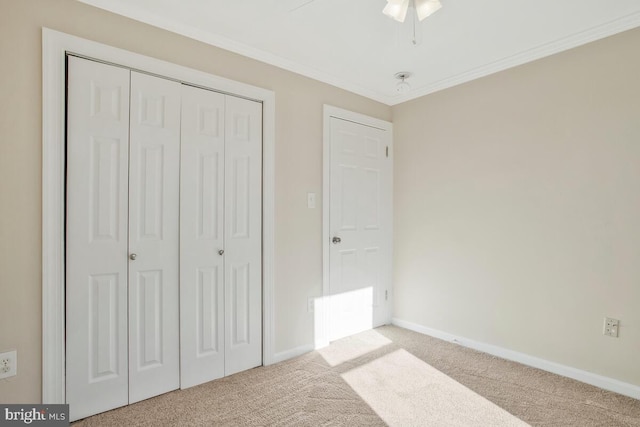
(96, 237)
(154, 194)
(243, 234)
(201, 237)
(220, 236)
(122, 237)
(163, 236)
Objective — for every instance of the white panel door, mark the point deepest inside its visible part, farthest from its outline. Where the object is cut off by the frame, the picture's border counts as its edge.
(360, 223)
(243, 234)
(201, 237)
(96, 240)
(153, 236)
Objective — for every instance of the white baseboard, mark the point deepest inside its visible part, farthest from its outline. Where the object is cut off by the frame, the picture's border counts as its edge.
(600, 381)
(294, 352)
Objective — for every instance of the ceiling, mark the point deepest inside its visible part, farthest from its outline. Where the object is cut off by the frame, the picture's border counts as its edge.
(352, 45)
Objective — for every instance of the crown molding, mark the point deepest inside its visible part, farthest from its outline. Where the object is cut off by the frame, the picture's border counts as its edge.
(611, 28)
(132, 11)
(136, 13)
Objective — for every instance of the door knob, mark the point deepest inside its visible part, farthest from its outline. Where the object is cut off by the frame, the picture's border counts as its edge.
(221, 252)
(133, 257)
(336, 240)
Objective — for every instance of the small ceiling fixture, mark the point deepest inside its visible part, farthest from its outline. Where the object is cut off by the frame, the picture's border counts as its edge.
(397, 9)
(402, 86)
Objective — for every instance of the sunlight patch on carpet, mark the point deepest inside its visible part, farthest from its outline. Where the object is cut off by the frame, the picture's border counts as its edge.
(403, 390)
(351, 348)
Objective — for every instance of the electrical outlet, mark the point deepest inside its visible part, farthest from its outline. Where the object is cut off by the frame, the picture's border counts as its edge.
(311, 304)
(611, 327)
(8, 364)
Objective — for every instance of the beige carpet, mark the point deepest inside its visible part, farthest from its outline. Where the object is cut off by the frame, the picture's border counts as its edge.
(389, 376)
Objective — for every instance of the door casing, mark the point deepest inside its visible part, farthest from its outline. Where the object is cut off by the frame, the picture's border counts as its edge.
(55, 47)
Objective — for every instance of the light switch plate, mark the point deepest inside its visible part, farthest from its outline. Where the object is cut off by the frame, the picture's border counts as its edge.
(311, 200)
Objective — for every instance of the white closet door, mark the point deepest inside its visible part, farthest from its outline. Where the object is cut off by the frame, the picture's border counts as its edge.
(243, 234)
(153, 236)
(201, 237)
(96, 241)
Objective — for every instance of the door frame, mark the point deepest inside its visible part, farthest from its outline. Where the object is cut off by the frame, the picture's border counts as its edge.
(55, 46)
(322, 318)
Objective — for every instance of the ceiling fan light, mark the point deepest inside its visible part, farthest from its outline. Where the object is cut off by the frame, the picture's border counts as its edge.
(396, 9)
(425, 8)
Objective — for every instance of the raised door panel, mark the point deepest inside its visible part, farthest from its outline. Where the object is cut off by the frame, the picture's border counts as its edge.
(208, 336)
(103, 328)
(201, 237)
(243, 234)
(149, 322)
(154, 236)
(240, 305)
(96, 237)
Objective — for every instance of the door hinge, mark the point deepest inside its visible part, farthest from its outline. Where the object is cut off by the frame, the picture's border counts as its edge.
(386, 295)
(387, 151)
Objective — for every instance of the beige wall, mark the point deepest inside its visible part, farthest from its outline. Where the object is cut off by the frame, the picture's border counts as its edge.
(517, 208)
(298, 167)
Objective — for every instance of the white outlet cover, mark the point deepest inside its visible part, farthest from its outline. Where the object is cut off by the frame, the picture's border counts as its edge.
(12, 358)
(611, 327)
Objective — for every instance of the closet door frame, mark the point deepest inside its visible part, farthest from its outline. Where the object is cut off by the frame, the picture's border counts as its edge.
(55, 48)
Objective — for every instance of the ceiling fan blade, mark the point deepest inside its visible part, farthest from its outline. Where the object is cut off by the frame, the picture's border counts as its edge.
(396, 9)
(425, 8)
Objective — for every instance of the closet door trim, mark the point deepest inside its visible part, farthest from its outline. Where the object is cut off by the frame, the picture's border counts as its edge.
(55, 48)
